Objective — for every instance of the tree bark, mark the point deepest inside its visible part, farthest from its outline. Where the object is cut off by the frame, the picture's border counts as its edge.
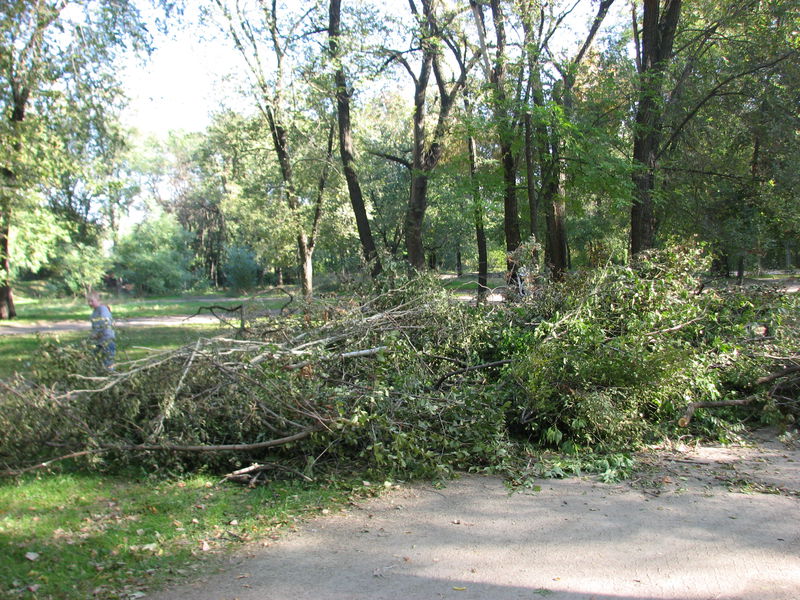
(8, 178)
(658, 34)
(7, 308)
(504, 116)
(415, 216)
(530, 179)
(346, 143)
(426, 154)
(477, 213)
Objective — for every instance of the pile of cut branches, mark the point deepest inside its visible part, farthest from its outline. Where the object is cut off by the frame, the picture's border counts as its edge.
(335, 385)
(411, 382)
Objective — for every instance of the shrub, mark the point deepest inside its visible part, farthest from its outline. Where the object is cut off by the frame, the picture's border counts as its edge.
(155, 257)
(611, 357)
(240, 269)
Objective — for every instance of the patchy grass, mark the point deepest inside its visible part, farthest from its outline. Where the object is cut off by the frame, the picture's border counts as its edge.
(31, 310)
(75, 536)
(16, 351)
(132, 342)
(469, 283)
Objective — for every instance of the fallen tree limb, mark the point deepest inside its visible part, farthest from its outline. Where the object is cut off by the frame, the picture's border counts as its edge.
(213, 448)
(213, 307)
(693, 406)
(164, 447)
(47, 463)
(250, 475)
(777, 375)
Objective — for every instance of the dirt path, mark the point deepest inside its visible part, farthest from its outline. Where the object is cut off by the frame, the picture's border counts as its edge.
(707, 523)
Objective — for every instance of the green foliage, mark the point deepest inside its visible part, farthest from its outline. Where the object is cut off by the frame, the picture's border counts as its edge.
(155, 256)
(611, 357)
(240, 269)
(81, 267)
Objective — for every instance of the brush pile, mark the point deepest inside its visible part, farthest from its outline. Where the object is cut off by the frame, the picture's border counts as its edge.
(410, 382)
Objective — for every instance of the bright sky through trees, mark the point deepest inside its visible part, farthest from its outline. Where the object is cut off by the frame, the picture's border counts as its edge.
(193, 73)
(187, 77)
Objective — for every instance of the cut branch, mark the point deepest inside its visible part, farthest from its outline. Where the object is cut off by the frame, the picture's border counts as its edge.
(214, 448)
(693, 406)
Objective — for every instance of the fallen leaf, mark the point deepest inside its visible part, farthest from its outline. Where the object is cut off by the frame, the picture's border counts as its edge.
(204, 546)
(460, 589)
(32, 555)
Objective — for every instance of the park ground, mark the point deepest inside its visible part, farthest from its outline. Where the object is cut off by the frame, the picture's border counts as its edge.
(700, 522)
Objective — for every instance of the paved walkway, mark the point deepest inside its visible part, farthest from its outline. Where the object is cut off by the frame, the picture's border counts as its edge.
(712, 523)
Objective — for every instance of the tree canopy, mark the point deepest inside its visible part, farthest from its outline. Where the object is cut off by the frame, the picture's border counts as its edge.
(444, 134)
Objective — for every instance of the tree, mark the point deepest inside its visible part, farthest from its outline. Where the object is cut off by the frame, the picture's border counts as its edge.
(721, 51)
(506, 112)
(654, 50)
(346, 150)
(277, 79)
(433, 32)
(517, 83)
(155, 257)
(729, 132)
(48, 50)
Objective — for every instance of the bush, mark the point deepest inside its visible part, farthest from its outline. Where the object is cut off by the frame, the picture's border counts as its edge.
(155, 257)
(612, 357)
(240, 269)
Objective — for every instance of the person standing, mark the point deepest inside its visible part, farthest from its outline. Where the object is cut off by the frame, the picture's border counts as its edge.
(103, 334)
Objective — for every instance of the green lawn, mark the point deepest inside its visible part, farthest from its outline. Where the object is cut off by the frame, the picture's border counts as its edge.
(132, 341)
(69, 535)
(76, 536)
(30, 310)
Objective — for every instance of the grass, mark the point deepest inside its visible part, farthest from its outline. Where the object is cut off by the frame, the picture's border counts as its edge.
(76, 536)
(16, 351)
(30, 310)
(132, 342)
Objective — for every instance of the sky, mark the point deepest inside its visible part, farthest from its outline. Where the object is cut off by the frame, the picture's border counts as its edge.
(184, 79)
(179, 84)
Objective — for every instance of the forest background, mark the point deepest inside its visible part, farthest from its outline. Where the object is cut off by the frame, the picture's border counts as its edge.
(476, 136)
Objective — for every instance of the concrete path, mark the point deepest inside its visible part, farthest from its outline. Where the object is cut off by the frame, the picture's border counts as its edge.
(702, 524)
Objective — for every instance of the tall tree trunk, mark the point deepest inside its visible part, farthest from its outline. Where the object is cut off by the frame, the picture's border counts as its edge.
(555, 254)
(7, 308)
(658, 35)
(510, 207)
(483, 254)
(477, 214)
(346, 143)
(530, 178)
(504, 115)
(415, 216)
(306, 254)
(8, 181)
(426, 152)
